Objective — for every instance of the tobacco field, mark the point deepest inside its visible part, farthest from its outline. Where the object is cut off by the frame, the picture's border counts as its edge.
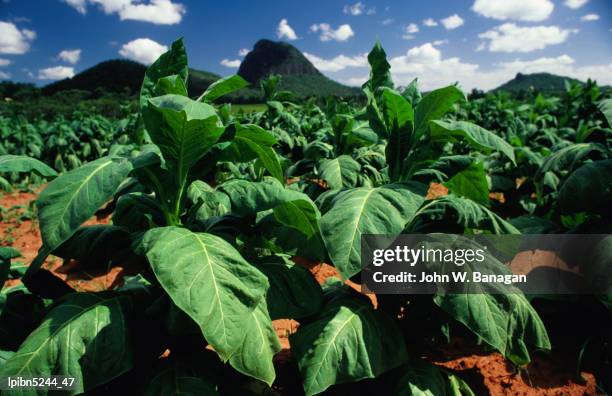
(215, 220)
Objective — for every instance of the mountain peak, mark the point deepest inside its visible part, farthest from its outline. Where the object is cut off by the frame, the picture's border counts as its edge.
(272, 57)
(541, 82)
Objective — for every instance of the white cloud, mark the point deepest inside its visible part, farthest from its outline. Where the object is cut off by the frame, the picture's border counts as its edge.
(430, 22)
(411, 28)
(512, 38)
(285, 31)
(387, 22)
(79, 5)
(55, 73)
(440, 42)
(70, 56)
(371, 11)
(556, 65)
(338, 63)
(15, 41)
(575, 4)
(355, 81)
(452, 22)
(589, 18)
(142, 50)
(601, 73)
(243, 51)
(355, 9)
(159, 12)
(343, 33)
(231, 63)
(409, 31)
(4, 62)
(112, 6)
(427, 63)
(522, 10)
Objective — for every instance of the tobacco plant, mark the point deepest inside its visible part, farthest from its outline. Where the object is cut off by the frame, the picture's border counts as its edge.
(208, 209)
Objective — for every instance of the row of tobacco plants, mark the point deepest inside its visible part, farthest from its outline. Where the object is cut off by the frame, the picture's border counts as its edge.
(211, 208)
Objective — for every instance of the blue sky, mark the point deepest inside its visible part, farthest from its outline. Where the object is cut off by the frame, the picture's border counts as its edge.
(480, 43)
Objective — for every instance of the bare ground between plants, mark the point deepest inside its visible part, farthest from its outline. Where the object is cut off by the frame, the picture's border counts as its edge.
(486, 373)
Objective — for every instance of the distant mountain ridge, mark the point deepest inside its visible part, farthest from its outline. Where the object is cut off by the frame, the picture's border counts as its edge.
(116, 75)
(267, 57)
(298, 74)
(121, 76)
(541, 82)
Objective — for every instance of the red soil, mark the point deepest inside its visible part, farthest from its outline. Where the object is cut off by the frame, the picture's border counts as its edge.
(547, 374)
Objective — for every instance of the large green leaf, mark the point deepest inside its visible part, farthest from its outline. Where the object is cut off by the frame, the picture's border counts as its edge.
(21, 163)
(606, 108)
(380, 210)
(399, 118)
(173, 84)
(588, 188)
(448, 166)
(507, 322)
(294, 293)
(498, 313)
(138, 212)
(253, 142)
(340, 172)
(86, 337)
(210, 281)
(477, 137)
(360, 135)
(254, 357)
(397, 111)
(567, 158)
(183, 129)
(348, 341)
(223, 87)
(471, 214)
(420, 378)
(172, 62)
(208, 201)
(4, 356)
(380, 69)
(411, 92)
(95, 245)
(74, 197)
(471, 183)
(301, 214)
(435, 105)
(248, 198)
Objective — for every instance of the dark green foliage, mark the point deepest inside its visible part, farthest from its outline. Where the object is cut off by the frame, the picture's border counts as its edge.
(217, 210)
